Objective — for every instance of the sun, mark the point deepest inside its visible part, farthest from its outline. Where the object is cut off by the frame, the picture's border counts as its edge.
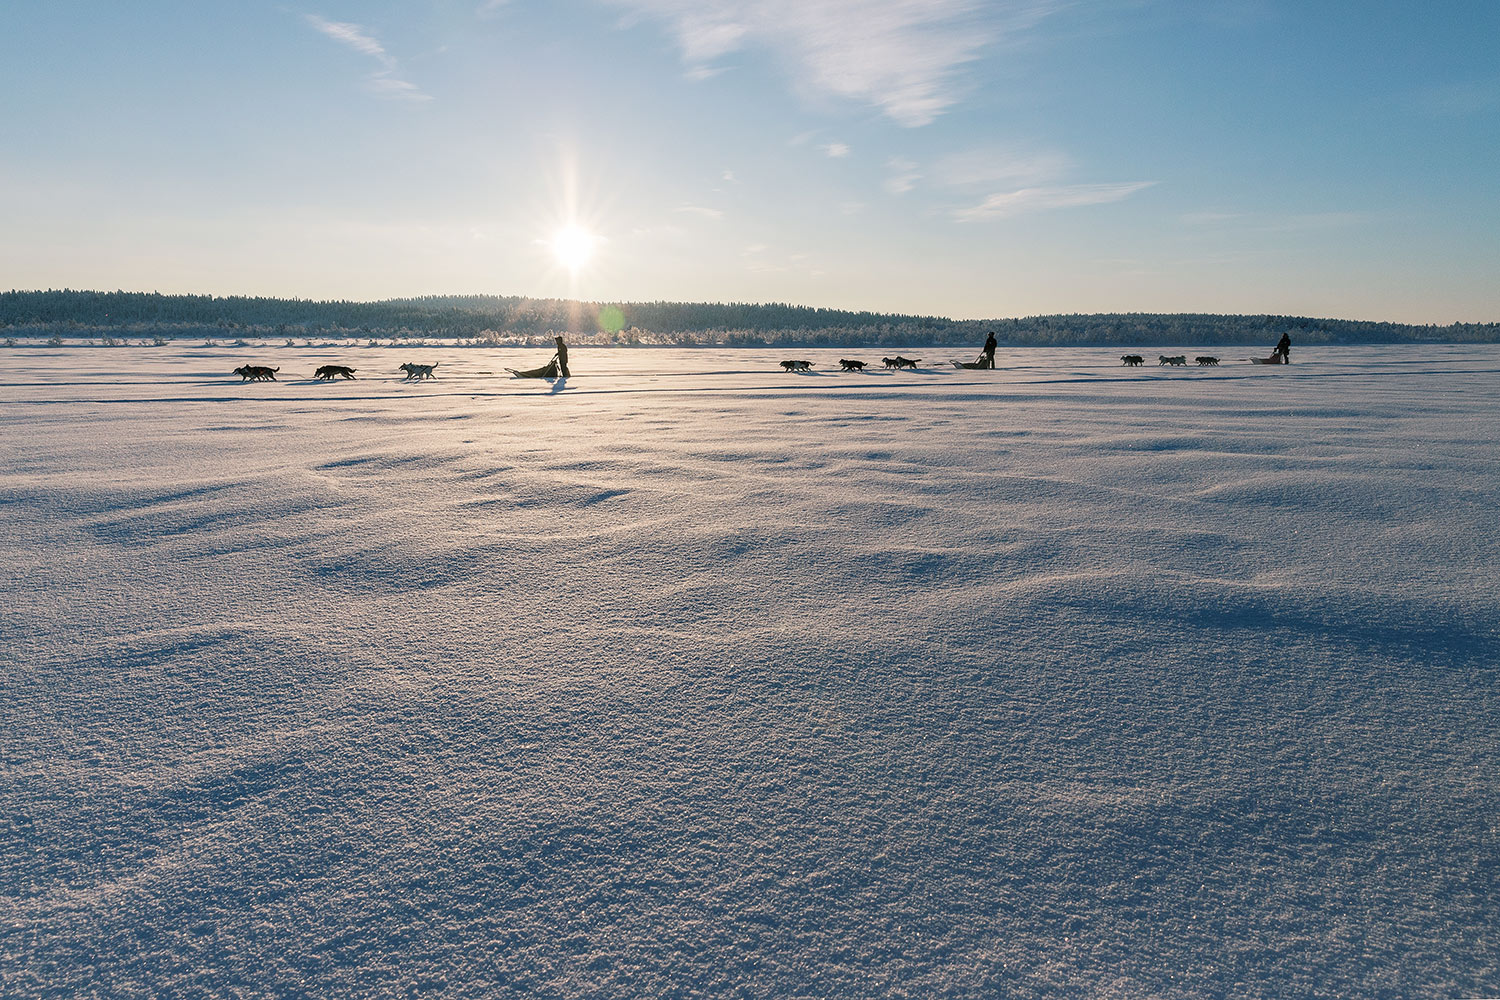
(573, 246)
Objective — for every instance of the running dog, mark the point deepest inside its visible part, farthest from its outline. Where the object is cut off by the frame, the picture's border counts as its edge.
(1207, 360)
(899, 362)
(797, 366)
(333, 371)
(1132, 359)
(851, 366)
(416, 373)
(1175, 359)
(256, 373)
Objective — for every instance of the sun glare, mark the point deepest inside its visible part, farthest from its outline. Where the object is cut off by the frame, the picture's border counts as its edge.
(573, 246)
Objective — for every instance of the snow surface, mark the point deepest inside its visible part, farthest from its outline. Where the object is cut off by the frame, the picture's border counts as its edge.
(688, 677)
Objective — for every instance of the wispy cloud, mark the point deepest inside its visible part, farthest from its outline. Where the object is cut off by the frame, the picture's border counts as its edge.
(757, 262)
(904, 175)
(384, 84)
(1273, 222)
(1030, 180)
(836, 150)
(902, 56)
(1210, 218)
(352, 35)
(702, 212)
(387, 81)
(1003, 167)
(761, 259)
(1041, 199)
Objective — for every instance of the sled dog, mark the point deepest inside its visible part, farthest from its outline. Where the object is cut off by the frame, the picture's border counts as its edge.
(797, 366)
(333, 371)
(256, 373)
(1132, 359)
(851, 366)
(1206, 359)
(899, 362)
(1174, 359)
(416, 373)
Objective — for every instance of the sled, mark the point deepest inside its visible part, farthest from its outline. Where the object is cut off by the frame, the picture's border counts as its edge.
(1274, 359)
(971, 364)
(549, 370)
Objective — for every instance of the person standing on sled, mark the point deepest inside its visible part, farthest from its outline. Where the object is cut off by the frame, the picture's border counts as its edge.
(557, 366)
(988, 354)
(1284, 349)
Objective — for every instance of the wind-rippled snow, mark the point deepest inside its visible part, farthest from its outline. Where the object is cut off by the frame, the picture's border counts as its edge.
(688, 677)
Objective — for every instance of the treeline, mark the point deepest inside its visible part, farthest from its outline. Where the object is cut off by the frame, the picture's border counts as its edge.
(499, 319)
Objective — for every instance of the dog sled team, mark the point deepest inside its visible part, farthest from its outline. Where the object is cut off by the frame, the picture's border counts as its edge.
(557, 367)
(1281, 354)
(849, 365)
(1203, 360)
(327, 373)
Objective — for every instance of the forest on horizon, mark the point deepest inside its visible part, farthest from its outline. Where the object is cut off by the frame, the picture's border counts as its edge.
(504, 320)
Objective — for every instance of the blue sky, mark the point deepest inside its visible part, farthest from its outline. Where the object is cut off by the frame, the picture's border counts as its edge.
(947, 157)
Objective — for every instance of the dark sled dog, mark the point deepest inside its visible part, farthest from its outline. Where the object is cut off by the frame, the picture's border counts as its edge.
(899, 362)
(851, 366)
(256, 373)
(1207, 360)
(1132, 359)
(1172, 359)
(333, 371)
(797, 366)
(416, 373)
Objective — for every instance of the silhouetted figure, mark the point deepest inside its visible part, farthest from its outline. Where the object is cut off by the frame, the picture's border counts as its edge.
(1284, 348)
(562, 358)
(988, 355)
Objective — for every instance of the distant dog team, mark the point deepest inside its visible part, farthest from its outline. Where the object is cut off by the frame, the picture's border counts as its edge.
(417, 373)
(850, 365)
(327, 373)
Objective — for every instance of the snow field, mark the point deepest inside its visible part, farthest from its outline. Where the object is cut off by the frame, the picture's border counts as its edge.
(690, 677)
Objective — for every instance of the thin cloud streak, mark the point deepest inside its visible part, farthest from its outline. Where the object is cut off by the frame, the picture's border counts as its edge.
(385, 82)
(982, 168)
(1042, 199)
(904, 175)
(902, 56)
(351, 35)
(1301, 222)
